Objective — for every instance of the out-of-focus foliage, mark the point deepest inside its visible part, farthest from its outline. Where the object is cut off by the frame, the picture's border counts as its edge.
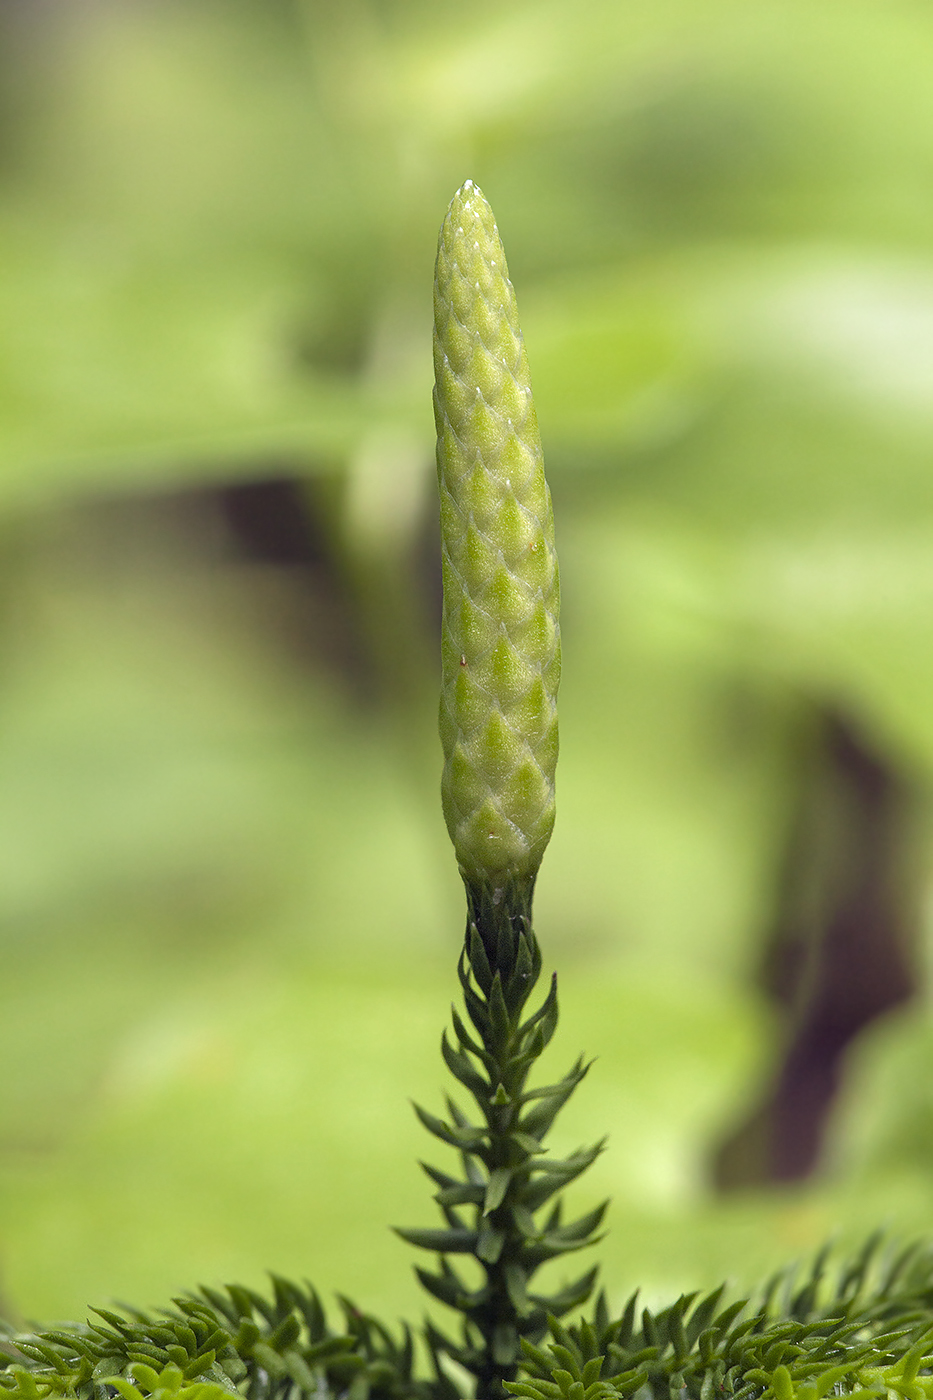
(228, 914)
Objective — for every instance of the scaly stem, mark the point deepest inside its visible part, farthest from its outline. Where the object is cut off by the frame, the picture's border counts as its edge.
(490, 1211)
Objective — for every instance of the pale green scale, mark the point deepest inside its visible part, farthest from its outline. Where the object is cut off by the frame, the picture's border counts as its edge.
(501, 639)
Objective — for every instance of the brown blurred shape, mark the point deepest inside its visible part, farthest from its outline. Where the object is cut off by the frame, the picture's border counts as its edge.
(840, 951)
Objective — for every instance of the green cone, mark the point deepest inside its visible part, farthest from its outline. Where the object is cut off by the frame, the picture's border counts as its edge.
(501, 639)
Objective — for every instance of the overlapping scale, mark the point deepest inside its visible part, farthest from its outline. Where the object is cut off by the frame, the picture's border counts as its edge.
(501, 643)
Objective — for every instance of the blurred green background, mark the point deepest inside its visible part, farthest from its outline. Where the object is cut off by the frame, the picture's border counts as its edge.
(229, 913)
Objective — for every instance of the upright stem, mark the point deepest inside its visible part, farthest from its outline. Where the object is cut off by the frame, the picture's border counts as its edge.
(501, 952)
(490, 1211)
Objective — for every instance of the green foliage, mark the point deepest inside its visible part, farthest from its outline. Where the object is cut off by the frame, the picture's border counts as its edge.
(864, 1329)
(211, 1344)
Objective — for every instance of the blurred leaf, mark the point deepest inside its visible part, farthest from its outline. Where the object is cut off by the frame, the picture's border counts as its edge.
(123, 371)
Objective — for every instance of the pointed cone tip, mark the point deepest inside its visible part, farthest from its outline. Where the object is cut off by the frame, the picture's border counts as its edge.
(469, 191)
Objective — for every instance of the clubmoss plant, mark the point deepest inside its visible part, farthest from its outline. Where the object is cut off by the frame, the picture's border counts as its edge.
(498, 723)
(213, 1343)
(863, 1331)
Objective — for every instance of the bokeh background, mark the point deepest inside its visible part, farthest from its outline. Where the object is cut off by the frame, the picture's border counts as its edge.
(229, 913)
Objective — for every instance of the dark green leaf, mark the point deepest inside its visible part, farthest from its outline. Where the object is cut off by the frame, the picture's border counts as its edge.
(461, 1068)
(499, 1020)
(489, 1242)
(457, 1137)
(441, 1241)
(496, 1188)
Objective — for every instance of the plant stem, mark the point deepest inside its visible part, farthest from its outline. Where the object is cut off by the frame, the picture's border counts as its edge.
(506, 1181)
